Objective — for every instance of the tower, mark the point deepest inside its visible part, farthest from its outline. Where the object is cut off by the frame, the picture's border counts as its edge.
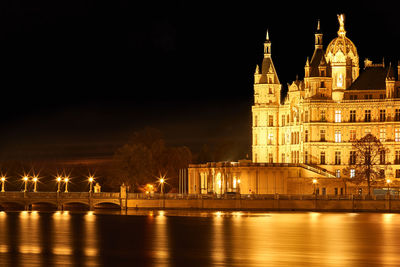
(342, 56)
(267, 95)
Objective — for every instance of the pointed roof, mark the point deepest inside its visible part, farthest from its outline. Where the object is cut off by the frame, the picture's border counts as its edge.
(372, 78)
(390, 73)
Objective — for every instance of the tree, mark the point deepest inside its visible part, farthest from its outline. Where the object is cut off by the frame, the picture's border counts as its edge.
(146, 156)
(367, 161)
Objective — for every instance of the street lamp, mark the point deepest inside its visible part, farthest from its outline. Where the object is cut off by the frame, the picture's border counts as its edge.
(25, 178)
(35, 179)
(314, 181)
(3, 180)
(58, 182)
(66, 179)
(162, 185)
(91, 179)
(388, 181)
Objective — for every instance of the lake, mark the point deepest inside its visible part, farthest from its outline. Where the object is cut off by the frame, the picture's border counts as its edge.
(198, 238)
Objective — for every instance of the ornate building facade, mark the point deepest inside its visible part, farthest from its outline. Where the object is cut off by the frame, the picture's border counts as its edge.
(321, 115)
(302, 143)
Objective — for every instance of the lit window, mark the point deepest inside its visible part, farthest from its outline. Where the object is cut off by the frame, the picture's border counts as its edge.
(352, 115)
(337, 173)
(352, 173)
(382, 135)
(338, 136)
(382, 115)
(270, 138)
(353, 135)
(270, 158)
(337, 158)
(322, 135)
(397, 135)
(323, 118)
(367, 116)
(270, 120)
(338, 116)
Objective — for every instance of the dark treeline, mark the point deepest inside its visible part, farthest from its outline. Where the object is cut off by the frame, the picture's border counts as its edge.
(144, 158)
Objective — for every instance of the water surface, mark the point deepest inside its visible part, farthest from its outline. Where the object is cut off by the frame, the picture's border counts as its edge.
(196, 238)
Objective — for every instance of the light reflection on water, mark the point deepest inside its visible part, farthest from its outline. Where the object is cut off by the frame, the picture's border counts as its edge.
(198, 238)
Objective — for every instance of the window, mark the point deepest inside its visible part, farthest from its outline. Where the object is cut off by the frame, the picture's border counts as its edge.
(397, 157)
(283, 120)
(382, 115)
(270, 138)
(341, 190)
(270, 158)
(306, 157)
(382, 135)
(338, 136)
(338, 116)
(270, 89)
(352, 115)
(368, 96)
(336, 191)
(322, 157)
(337, 173)
(323, 191)
(283, 157)
(255, 139)
(255, 121)
(306, 116)
(270, 120)
(287, 119)
(283, 138)
(353, 97)
(306, 136)
(367, 115)
(322, 83)
(337, 158)
(382, 156)
(322, 135)
(352, 159)
(397, 173)
(397, 115)
(397, 135)
(323, 118)
(352, 173)
(353, 135)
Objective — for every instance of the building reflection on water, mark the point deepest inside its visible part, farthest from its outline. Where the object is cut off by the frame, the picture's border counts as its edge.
(190, 238)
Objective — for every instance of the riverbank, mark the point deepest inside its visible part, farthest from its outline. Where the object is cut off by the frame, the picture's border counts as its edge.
(346, 205)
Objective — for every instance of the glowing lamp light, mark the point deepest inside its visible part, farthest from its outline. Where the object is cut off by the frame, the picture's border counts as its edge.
(58, 179)
(314, 181)
(35, 179)
(162, 180)
(66, 179)
(25, 178)
(388, 181)
(3, 179)
(91, 179)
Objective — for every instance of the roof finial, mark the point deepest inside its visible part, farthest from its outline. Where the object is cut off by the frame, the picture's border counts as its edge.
(319, 25)
(267, 36)
(341, 31)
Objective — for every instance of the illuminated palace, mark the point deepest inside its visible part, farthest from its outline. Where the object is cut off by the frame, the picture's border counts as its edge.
(309, 133)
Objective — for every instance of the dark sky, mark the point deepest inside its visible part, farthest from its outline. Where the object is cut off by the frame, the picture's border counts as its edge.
(78, 76)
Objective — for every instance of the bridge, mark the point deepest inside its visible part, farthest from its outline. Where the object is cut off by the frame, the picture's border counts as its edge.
(60, 199)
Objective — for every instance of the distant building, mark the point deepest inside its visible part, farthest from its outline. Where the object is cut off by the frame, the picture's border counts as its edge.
(316, 122)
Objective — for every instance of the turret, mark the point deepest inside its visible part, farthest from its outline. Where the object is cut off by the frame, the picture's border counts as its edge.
(307, 68)
(390, 83)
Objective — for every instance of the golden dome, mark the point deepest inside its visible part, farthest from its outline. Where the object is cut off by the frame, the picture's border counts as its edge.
(341, 43)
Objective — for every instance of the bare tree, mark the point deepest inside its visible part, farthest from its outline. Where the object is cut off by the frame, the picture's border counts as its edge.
(367, 161)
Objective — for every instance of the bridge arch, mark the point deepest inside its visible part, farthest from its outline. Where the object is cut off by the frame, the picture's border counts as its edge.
(107, 205)
(75, 205)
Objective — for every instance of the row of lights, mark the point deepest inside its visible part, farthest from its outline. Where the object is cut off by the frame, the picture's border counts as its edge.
(35, 179)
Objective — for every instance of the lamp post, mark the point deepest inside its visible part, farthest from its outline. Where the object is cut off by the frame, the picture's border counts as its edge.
(35, 179)
(314, 181)
(25, 178)
(3, 180)
(388, 181)
(66, 179)
(91, 179)
(58, 184)
(162, 185)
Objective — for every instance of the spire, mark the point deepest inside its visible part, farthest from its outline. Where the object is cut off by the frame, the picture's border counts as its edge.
(318, 37)
(341, 32)
(390, 73)
(257, 69)
(308, 62)
(267, 46)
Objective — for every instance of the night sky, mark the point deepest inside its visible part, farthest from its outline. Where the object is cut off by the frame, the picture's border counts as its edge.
(78, 76)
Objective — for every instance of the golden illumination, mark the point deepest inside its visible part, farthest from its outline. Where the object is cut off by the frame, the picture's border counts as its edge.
(66, 179)
(162, 180)
(314, 181)
(3, 179)
(25, 178)
(58, 179)
(91, 179)
(35, 179)
(388, 181)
